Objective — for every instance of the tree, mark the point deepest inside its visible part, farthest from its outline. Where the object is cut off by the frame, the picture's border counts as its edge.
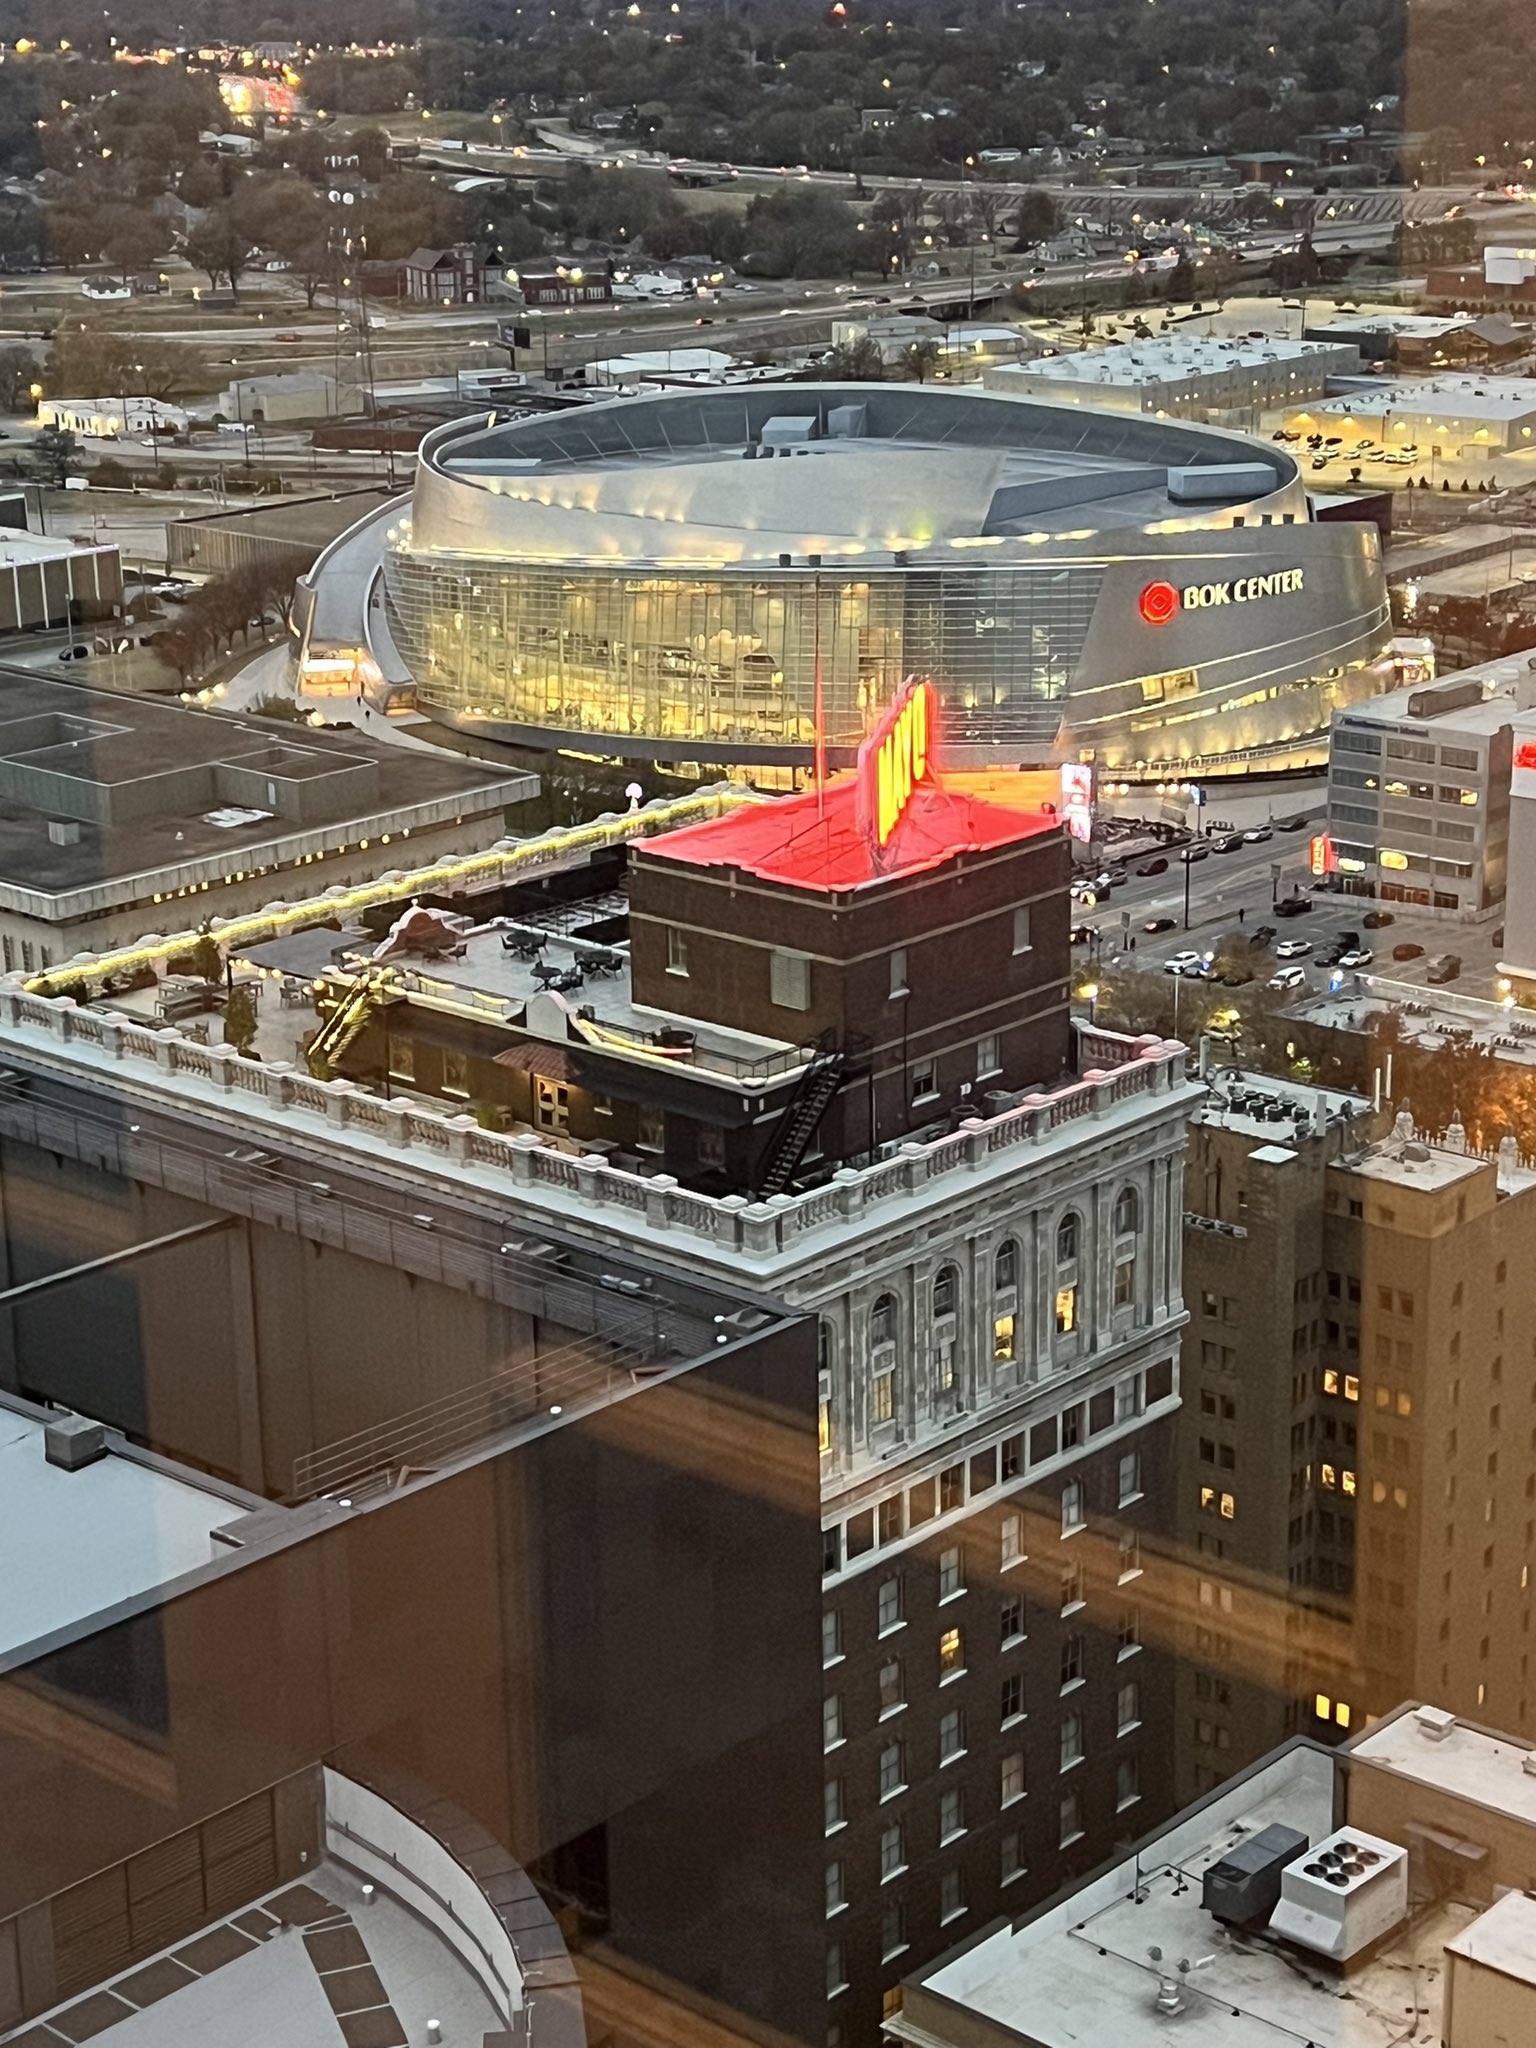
(856, 361)
(18, 373)
(130, 238)
(921, 358)
(55, 455)
(1037, 220)
(218, 245)
(240, 1019)
(371, 148)
(207, 960)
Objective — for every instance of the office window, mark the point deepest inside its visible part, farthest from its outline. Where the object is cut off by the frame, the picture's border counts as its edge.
(1011, 1779)
(1011, 1861)
(1011, 1615)
(1130, 1476)
(837, 1976)
(1127, 1782)
(1011, 1702)
(677, 951)
(836, 1890)
(1125, 1283)
(832, 1814)
(951, 1735)
(989, 1058)
(1127, 1707)
(1071, 1819)
(1004, 1338)
(1066, 1311)
(899, 983)
(892, 1775)
(951, 1815)
(892, 1690)
(831, 1637)
(1072, 1516)
(832, 1720)
(892, 1853)
(951, 1653)
(951, 1573)
(1013, 1540)
(1071, 1741)
(1021, 938)
(789, 980)
(951, 1896)
(893, 1937)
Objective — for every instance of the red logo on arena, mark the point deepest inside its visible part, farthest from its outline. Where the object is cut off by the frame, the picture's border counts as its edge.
(1159, 602)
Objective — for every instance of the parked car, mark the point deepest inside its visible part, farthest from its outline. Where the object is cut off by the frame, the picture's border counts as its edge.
(1292, 949)
(1261, 935)
(1407, 950)
(1356, 957)
(1229, 842)
(1154, 925)
(1153, 867)
(1292, 906)
(1256, 834)
(79, 652)
(1374, 920)
(1298, 824)
(1444, 967)
(1287, 977)
(1186, 957)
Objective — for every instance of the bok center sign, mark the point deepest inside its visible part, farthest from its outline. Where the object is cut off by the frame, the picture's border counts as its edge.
(895, 758)
(1161, 602)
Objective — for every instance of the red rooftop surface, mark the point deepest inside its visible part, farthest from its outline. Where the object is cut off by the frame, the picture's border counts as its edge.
(825, 846)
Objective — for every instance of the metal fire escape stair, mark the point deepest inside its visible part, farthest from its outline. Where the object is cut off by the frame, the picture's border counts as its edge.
(803, 1112)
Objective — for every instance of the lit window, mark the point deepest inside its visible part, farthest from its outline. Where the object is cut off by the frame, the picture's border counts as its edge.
(1329, 1478)
(1330, 1379)
(1003, 1338)
(824, 1427)
(1228, 1507)
(1066, 1310)
(1347, 1481)
(1322, 1706)
(1351, 1387)
(1125, 1283)
(882, 1398)
(951, 1653)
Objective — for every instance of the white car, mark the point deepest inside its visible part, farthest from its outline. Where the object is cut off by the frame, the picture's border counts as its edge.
(1288, 977)
(1292, 949)
(1186, 957)
(1358, 956)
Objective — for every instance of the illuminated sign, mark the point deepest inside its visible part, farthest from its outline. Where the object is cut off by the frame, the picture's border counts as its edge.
(896, 758)
(1160, 603)
(1321, 853)
(1077, 799)
(1391, 858)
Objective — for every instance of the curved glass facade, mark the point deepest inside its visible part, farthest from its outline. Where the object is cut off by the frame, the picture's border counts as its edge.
(727, 659)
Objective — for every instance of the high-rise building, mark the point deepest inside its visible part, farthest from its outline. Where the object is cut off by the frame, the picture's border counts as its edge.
(861, 1102)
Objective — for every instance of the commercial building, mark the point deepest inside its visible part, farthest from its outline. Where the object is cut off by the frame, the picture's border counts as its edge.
(1424, 341)
(848, 1082)
(288, 395)
(1443, 415)
(959, 342)
(1419, 791)
(1303, 1902)
(121, 816)
(475, 1624)
(50, 582)
(659, 366)
(106, 419)
(682, 578)
(1263, 1627)
(1359, 1515)
(1184, 377)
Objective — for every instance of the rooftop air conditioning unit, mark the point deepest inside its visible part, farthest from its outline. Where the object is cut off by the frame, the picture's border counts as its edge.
(1243, 1889)
(1434, 1722)
(1344, 1896)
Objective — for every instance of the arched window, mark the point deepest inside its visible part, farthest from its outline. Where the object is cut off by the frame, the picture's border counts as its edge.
(1127, 1213)
(1066, 1239)
(946, 1291)
(882, 1320)
(1005, 1265)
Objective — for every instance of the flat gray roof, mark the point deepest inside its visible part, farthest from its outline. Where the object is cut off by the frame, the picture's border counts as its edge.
(74, 1543)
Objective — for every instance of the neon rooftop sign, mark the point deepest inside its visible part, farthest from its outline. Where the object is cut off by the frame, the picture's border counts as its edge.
(897, 758)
